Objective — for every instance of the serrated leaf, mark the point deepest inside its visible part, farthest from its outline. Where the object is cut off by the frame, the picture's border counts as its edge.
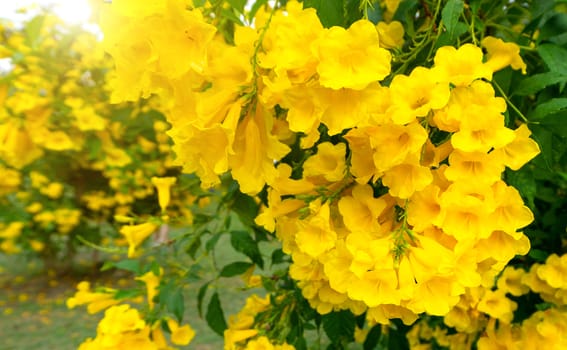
(176, 304)
(549, 107)
(200, 296)
(339, 326)
(450, 15)
(235, 269)
(215, 316)
(554, 57)
(538, 82)
(243, 242)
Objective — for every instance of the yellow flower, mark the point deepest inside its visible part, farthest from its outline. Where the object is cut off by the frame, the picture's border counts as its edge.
(510, 281)
(519, 151)
(361, 211)
(13, 230)
(495, 304)
(96, 301)
(136, 234)
(53, 190)
(415, 95)
(351, 58)
(180, 335)
(328, 162)
(391, 34)
(501, 54)
(152, 282)
(163, 186)
(405, 179)
(315, 234)
(460, 66)
(482, 167)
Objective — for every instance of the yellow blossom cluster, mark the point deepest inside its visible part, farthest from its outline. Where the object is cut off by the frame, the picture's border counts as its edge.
(397, 205)
(123, 327)
(241, 334)
(489, 312)
(67, 157)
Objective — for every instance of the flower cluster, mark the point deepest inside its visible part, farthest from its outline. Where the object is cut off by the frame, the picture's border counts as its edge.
(242, 334)
(124, 327)
(69, 161)
(487, 314)
(396, 203)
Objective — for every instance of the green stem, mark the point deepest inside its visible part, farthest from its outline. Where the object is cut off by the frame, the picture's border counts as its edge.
(522, 116)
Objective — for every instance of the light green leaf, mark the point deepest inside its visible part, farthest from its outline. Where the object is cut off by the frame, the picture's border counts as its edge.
(450, 15)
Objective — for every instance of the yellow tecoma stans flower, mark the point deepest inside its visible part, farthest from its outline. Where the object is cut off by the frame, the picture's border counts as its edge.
(163, 186)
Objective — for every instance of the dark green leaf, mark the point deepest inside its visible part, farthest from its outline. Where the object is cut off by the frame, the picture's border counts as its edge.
(524, 181)
(215, 316)
(450, 15)
(245, 207)
(200, 296)
(549, 107)
(557, 122)
(339, 326)
(330, 12)
(176, 304)
(554, 57)
(235, 269)
(244, 243)
(538, 255)
(538, 82)
(372, 338)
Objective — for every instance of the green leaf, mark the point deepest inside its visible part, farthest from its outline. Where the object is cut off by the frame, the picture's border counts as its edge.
(245, 244)
(127, 294)
(212, 242)
(235, 269)
(330, 12)
(176, 304)
(339, 326)
(372, 338)
(238, 5)
(524, 181)
(537, 82)
(129, 265)
(450, 15)
(245, 207)
(538, 255)
(33, 31)
(557, 122)
(554, 57)
(549, 107)
(215, 316)
(200, 296)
